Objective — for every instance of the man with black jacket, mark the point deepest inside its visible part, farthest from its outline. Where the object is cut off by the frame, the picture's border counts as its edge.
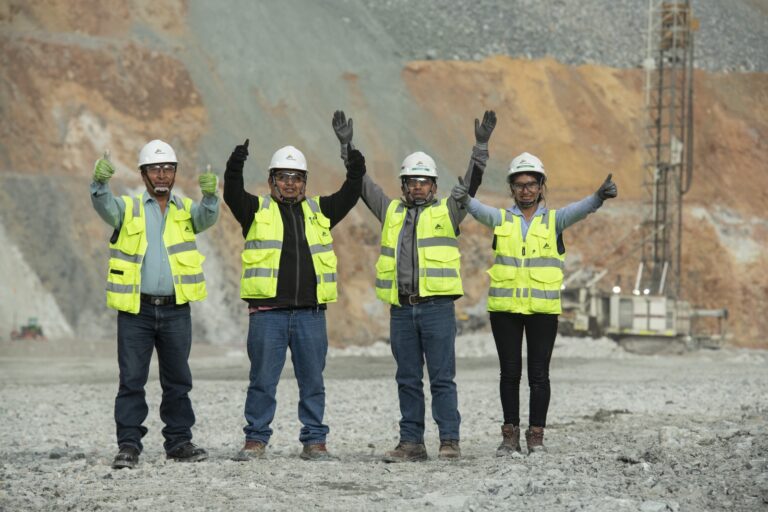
(289, 275)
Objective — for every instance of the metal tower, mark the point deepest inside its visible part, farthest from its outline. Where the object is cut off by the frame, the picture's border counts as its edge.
(669, 142)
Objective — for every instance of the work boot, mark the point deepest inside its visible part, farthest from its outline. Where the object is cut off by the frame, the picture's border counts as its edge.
(510, 440)
(315, 452)
(406, 452)
(449, 450)
(251, 450)
(187, 452)
(127, 457)
(534, 438)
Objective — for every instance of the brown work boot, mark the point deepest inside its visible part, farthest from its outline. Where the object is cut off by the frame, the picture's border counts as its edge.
(534, 438)
(406, 452)
(315, 452)
(449, 450)
(510, 440)
(251, 450)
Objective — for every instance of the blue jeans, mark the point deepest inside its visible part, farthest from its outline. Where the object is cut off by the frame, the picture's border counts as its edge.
(168, 329)
(270, 334)
(426, 331)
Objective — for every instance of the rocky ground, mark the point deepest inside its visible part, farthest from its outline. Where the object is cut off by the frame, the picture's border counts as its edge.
(625, 432)
(731, 37)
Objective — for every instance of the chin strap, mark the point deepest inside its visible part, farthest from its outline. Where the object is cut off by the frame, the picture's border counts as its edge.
(279, 197)
(407, 199)
(161, 191)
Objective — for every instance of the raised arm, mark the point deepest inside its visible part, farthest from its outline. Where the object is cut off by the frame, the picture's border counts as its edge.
(206, 212)
(373, 196)
(109, 207)
(242, 204)
(337, 205)
(574, 212)
(477, 163)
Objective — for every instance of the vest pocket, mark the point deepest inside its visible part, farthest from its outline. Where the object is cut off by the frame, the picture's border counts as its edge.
(502, 274)
(441, 272)
(130, 238)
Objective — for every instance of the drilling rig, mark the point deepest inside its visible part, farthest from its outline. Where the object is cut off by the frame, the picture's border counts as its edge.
(652, 316)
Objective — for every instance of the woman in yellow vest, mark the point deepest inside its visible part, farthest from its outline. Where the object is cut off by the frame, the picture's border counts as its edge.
(524, 295)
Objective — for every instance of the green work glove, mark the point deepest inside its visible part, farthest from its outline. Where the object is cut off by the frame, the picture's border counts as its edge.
(103, 170)
(208, 183)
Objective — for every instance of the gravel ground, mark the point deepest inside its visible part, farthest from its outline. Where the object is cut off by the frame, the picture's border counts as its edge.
(733, 35)
(625, 433)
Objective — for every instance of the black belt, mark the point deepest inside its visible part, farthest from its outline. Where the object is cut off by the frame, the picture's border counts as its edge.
(415, 299)
(158, 300)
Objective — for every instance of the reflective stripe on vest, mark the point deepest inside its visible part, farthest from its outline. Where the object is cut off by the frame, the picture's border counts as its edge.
(264, 244)
(127, 256)
(437, 248)
(527, 275)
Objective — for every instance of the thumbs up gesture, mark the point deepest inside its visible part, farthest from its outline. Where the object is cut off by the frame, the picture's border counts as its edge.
(608, 189)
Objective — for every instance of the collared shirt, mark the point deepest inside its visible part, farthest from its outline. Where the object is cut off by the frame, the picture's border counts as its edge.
(156, 276)
(566, 216)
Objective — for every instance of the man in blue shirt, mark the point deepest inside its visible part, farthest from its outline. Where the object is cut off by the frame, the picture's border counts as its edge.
(155, 270)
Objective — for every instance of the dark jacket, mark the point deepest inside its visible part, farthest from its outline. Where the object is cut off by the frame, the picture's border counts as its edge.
(296, 282)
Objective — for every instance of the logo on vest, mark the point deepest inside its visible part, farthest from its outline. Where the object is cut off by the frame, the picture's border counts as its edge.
(187, 228)
(438, 227)
(546, 245)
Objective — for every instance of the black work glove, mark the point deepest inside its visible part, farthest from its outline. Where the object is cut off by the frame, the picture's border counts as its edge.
(608, 189)
(355, 165)
(483, 130)
(342, 126)
(238, 157)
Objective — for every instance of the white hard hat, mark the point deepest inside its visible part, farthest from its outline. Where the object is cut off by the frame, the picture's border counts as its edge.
(525, 162)
(418, 164)
(157, 152)
(288, 158)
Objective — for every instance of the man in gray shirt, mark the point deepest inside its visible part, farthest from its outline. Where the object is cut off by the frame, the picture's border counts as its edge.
(418, 274)
(155, 270)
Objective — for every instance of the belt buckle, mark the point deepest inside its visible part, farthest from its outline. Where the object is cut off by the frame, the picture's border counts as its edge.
(157, 301)
(413, 300)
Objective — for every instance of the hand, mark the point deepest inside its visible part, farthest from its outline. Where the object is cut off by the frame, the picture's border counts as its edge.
(342, 127)
(208, 183)
(238, 157)
(355, 164)
(103, 170)
(483, 130)
(460, 193)
(608, 189)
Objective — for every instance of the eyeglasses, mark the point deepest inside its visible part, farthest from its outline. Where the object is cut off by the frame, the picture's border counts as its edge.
(288, 177)
(533, 186)
(417, 180)
(157, 168)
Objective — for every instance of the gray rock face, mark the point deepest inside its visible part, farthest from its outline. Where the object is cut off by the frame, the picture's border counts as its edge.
(732, 35)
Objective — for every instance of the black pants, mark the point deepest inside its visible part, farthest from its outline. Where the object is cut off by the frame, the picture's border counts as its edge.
(540, 332)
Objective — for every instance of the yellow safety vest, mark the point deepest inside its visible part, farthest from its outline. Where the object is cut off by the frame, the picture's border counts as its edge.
(437, 247)
(264, 243)
(527, 275)
(127, 254)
